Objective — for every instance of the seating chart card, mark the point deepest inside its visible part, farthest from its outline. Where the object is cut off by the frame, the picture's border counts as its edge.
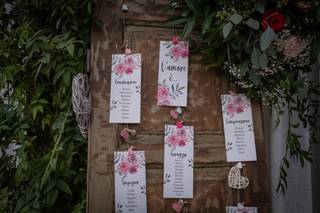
(173, 73)
(130, 182)
(125, 94)
(238, 128)
(235, 209)
(178, 162)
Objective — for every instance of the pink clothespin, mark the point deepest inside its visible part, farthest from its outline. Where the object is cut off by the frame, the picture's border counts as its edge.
(177, 206)
(126, 132)
(175, 39)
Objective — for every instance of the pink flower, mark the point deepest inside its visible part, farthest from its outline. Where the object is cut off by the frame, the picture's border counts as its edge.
(129, 70)
(176, 52)
(231, 108)
(182, 142)
(173, 140)
(182, 133)
(124, 167)
(120, 68)
(239, 108)
(184, 45)
(184, 53)
(293, 46)
(129, 61)
(163, 94)
(133, 168)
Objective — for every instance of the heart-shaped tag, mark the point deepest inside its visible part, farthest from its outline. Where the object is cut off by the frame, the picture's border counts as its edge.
(177, 206)
(235, 180)
(174, 114)
(128, 51)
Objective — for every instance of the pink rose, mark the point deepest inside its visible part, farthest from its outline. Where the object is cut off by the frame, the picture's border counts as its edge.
(182, 133)
(163, 93)
(230, 108)
(184, 53)
(173, 140)
(133, 168)
(239, 108)
(179, 124)
(120, 68)
(182, 142)
(124, 167)
(129, 70)
(293, 46)
(129, 61)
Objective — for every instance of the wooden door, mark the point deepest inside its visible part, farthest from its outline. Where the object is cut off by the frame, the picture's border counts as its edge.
(144, 29)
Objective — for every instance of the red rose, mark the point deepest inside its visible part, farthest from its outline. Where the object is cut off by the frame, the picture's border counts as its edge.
(273, 19)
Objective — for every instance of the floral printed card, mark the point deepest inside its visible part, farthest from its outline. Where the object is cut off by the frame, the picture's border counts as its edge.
(130, 182)
(178, 162)
(173, 73)
(238, 128)
(125, 94)
(235, 209)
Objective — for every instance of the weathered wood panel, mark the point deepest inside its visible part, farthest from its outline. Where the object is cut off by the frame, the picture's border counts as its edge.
(144, 30)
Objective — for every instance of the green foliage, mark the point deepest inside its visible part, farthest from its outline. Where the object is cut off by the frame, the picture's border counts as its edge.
(42, 46)
(257, 55)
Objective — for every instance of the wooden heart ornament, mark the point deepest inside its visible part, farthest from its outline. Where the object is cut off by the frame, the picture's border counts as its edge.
(235, 180)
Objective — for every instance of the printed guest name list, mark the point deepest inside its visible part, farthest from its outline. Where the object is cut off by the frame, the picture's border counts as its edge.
(125, 93)
(178, 162)
(130, 182)
(238, 128)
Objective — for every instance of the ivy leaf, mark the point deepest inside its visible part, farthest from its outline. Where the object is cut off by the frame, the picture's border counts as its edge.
(64, 187)
(207, 23)
(244, 68)
(188, 28)
(252, 23)
(318, 14)
(263, 60)
(254, 77)
(191, 5)
(266, 38)
(177, 20)
(260, 7)
(236, 18)
(255, 58)
(70, 49)
(227, 29)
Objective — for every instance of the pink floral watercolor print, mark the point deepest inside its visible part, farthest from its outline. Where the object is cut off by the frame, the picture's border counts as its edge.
(235, 104)
(166, 94)
(128, 163)
(177, 137)
(177, 49)
(125, 64)
(163, 95)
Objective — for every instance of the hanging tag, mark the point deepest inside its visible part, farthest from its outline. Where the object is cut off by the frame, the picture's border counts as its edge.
(174, 114)
(177, 206)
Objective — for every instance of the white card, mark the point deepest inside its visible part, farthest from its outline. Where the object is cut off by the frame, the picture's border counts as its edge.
(125, 94)
(130, 182)
(238, 128)
(178, 162)
(173, 73)
(234, 209)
